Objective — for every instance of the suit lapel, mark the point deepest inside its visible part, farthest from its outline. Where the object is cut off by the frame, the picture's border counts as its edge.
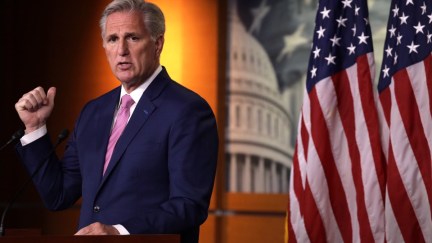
(107, 109)
(105, 121)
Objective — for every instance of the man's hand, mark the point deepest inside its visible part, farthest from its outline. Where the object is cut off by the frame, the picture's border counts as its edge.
(35, 107)
(98, 229)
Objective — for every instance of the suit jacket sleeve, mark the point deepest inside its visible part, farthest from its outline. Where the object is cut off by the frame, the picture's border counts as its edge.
(59, 184)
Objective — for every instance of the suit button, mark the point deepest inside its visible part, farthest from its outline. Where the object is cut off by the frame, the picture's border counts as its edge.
(96, 209)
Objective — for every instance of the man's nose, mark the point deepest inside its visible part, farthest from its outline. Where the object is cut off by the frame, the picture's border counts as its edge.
(123, 49)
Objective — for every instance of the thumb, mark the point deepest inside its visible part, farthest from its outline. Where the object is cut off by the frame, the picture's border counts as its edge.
(51, 95)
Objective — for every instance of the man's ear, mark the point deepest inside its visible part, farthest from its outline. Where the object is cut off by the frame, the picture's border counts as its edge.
(159, 45)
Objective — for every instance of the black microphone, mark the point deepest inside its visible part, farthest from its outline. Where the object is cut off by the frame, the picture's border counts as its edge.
(60, 138)
(17, 135)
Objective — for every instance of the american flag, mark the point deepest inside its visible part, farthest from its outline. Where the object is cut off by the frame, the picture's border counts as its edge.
(405, 90)
(338, 179)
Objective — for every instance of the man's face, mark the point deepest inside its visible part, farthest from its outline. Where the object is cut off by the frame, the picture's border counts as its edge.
(132, 54)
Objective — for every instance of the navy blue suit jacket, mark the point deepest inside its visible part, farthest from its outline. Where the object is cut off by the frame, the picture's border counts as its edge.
(161, 173)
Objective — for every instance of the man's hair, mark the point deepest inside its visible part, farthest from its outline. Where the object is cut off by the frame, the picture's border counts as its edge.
(153, 17)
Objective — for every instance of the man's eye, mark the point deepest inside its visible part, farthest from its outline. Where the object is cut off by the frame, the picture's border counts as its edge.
(134, 38)
(112, 39)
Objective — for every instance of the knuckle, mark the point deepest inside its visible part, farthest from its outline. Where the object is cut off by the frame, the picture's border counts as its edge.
(28, 96)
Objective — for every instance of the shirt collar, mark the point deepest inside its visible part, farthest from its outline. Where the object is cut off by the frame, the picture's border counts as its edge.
(138, 92)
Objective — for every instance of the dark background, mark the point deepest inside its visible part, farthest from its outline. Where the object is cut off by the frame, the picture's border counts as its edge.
(43, 43)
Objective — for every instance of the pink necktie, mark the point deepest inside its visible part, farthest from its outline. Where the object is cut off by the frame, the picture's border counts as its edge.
(119, 126)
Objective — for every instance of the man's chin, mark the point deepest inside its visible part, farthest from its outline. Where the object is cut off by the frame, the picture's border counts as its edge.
(128, 83)
(125, 79)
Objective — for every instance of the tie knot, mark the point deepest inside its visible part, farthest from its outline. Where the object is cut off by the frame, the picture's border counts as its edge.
(127, 101)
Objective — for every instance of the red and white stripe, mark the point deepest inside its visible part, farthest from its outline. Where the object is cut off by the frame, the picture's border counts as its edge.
(407, 126)
(338, 177)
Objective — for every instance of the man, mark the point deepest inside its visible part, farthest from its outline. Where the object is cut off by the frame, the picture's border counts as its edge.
(142, 156)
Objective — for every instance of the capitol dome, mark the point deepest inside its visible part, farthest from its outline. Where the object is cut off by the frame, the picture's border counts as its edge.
(248, 59)
(258, 150)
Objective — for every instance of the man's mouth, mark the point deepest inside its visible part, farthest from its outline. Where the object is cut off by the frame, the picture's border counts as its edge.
(124, 65)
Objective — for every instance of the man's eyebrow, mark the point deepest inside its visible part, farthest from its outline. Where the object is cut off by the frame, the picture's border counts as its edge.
(111, 35)
(127, 34)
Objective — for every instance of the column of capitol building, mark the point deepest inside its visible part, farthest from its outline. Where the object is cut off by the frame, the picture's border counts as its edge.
(259, 129)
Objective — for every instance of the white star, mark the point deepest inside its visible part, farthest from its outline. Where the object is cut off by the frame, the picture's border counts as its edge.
(392, 31)
(346, 3)
(259, 14)
(316, 52)
(409, 1)
(357, 9)
(395, 59)
(386, 71)
(351, 49)
(389, 50)
(430, 18)
(366, 21)
(395, 11)
(354, 29)
(363, 38)
(412, 47)
(320, 32)
(341, 21)
(330, 59)
(335, 40)
(423, 8)
(325, 13)
(429, 37)
(403, 19)
(419, 28)
(313, 71)
(398, 39)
